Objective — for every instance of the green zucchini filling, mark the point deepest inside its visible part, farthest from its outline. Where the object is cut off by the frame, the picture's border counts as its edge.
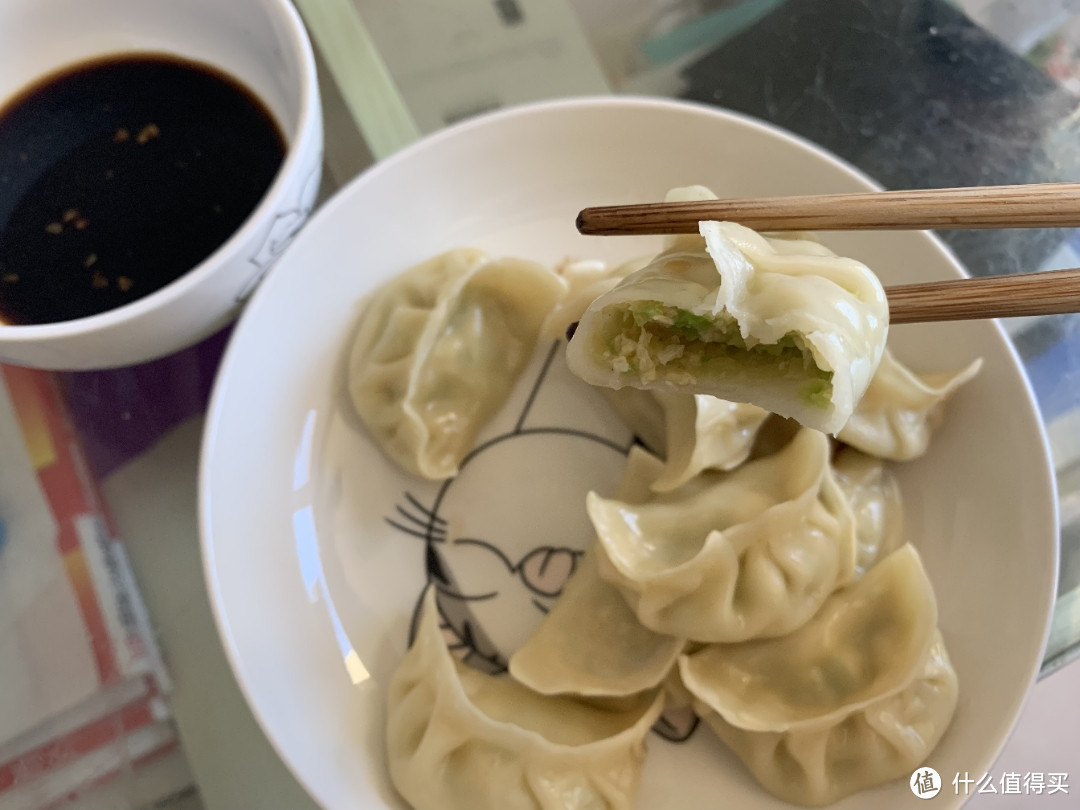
(655, 341)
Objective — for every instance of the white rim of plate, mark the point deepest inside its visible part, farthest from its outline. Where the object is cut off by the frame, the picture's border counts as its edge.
(461, 129)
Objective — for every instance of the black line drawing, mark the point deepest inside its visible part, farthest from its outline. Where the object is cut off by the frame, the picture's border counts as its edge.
(474, 575)
(285, 226)
(677, 725)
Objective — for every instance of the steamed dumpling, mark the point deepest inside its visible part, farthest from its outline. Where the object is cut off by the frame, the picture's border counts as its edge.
(874, 495)
(858, 696)
(729, 556)
(590, 643)
(691, 432)
(867, 641)
(888, 739)
(438, 349)
(901, 409)
(705, 433)
(784, 324)
(459, 739)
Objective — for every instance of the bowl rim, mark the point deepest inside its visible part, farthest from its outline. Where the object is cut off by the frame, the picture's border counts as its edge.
(342, 198)
(306, 127)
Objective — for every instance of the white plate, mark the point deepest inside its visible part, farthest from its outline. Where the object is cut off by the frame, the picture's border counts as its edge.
(314, 590)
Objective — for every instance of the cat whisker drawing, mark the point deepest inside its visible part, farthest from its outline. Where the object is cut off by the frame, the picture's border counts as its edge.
(505, 534)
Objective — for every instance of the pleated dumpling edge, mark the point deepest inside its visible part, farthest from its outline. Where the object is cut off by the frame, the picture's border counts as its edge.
(729, 556)
(438, 349)
(784, 324)
(459, 739)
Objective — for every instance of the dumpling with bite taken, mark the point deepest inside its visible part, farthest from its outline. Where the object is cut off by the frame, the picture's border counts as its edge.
(782, 323)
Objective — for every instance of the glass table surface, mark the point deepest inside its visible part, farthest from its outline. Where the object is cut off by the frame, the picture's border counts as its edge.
(916, 94)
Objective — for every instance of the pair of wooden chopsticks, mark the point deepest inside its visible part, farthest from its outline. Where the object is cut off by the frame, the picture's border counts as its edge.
(1048, 205)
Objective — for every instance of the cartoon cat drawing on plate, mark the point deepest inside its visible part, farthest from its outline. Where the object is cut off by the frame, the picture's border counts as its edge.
(505, 534)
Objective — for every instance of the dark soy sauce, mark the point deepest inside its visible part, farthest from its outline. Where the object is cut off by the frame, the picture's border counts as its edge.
(117, 176)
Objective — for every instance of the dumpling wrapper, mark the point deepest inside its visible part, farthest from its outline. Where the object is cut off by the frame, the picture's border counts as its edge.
(784, 324)
(817, 764)
(901, 409)
(438, 350)
(874, 495)
(774, 436)
(642, 412)
(729, 556)
(584, 281)
(691, 432)
(459, 739)
(590, 643)
(868, 641)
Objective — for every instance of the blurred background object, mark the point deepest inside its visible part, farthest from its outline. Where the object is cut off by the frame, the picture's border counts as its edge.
(82, 684)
